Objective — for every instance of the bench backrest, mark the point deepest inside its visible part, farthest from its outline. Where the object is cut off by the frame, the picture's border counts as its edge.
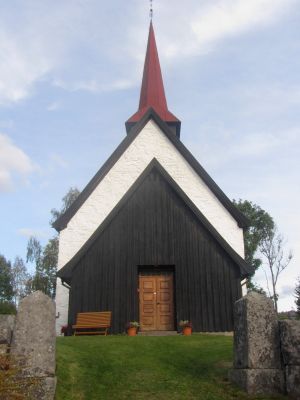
(102, 319)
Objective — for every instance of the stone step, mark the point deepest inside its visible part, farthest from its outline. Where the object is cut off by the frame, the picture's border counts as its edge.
(158, 333)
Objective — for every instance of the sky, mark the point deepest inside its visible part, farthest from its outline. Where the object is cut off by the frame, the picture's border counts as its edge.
(70, 75)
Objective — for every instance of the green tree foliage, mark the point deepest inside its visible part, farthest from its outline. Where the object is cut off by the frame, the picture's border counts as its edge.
(45, 258)
(261, 224)
(7, 307)
(19, 278)
(6, 288)
(297, 297)
(67, 201)
(263, 243)
(45, 261)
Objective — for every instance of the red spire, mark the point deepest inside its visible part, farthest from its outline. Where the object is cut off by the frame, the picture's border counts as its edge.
(152, 90)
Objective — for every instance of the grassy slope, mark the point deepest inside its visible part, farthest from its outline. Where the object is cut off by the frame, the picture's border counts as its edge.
(161, 368)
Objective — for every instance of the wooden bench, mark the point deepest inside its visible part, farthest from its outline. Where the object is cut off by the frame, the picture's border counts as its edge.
(92, 323)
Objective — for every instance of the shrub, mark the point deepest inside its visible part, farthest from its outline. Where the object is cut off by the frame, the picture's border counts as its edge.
(7, 307)
(133, 324)
(185, 323)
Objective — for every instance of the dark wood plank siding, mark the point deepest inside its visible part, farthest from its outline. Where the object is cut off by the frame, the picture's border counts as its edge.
(155, 227)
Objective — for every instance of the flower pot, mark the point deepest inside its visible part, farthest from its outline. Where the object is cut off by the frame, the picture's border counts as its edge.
(187, 331)
(131, 331)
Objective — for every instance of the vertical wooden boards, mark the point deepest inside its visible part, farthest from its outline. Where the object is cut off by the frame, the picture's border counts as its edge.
(156, 227)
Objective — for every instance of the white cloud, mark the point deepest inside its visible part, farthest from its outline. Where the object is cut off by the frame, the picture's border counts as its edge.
(29, 232)
(54, 106)
(58, 160)
(43, 42)
(22, 68)
(93, 85)
(34, 43)
(6, 124)
(231, 17)
(286, 290)
(202, 25)
(14, 163)
(268, 99)
(252, 146)
(90, 86)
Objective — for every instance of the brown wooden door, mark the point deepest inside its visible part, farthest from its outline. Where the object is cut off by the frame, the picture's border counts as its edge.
(156, 302)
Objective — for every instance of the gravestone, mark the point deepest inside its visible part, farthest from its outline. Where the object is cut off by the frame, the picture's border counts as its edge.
(257, 363)
(290, 348)
(33, 344)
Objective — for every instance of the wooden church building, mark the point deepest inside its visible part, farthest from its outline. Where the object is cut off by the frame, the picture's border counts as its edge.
(152, 237)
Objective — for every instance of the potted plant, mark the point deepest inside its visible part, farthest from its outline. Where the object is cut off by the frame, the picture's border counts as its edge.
(66, 330)
(186, 327)
(132, 328)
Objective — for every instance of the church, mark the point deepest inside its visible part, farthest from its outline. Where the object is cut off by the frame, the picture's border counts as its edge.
(152, 238)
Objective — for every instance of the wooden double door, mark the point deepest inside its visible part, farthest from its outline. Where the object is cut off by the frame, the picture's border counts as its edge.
(156, 292)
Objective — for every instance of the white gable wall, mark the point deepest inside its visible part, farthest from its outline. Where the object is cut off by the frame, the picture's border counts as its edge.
(150, 142)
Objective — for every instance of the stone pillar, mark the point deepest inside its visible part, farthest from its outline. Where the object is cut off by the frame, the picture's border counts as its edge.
(257, 364)
(33, 344)
(290, 349)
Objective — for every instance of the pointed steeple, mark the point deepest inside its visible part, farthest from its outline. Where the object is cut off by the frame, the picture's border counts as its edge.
(152, 90)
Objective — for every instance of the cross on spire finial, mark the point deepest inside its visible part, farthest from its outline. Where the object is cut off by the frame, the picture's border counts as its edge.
(151, 10)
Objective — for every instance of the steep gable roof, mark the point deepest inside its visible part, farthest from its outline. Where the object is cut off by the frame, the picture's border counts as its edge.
(66, 272)
(62, 221)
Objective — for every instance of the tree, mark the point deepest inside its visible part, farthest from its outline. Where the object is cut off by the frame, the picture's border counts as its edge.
(261, 224)
(297, 295)
(67, 201)
(6, 288)
(19, 278)
(45, 258)
(272, 248)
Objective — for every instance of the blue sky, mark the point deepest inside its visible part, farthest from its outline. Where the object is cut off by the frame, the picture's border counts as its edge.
(70, 74)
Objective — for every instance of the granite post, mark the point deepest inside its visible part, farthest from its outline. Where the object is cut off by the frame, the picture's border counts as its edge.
(257, 362)
(33, 344)
(290, 349)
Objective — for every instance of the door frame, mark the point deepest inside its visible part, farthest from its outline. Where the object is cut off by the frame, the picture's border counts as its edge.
(155, 269)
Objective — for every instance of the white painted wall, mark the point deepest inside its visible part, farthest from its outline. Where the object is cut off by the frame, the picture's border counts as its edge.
(62, 305)
(244, 287)
(151, 142)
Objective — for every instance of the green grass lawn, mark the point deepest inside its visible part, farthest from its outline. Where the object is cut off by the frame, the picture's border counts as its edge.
(143, 367)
